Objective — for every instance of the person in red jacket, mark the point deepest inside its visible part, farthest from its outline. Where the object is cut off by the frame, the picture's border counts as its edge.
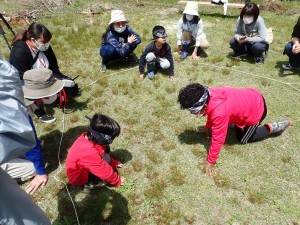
(244, 108)
(88, 162)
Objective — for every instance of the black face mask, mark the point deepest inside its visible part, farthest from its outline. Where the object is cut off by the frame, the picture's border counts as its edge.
(102, 139)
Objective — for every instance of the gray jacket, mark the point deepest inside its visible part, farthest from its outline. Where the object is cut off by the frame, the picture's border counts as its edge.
(16, 137)
(256, 31)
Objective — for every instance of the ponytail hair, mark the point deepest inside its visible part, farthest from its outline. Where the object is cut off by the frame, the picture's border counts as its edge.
(36, 31)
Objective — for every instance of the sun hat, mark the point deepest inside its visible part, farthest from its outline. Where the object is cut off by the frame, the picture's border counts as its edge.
(117, 16)
(191, 8)
(159, 32)
(40, 83)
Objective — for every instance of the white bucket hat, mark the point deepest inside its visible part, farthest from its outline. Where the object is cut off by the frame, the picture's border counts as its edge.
(191, 8)
(117, 16)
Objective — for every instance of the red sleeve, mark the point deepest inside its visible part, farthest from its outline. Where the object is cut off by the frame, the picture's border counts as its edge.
(97, 166)
(219, 132)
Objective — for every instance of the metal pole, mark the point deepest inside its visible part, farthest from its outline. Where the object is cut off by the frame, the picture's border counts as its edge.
(6, 23)
(3, 34)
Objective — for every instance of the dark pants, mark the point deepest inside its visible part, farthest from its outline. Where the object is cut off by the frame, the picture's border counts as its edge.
(253, 133)
(256, 49)
(294, 59)
(109, 53)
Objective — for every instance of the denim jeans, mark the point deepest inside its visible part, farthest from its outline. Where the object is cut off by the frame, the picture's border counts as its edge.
(294, 59)
(256, 49)
(109, 53)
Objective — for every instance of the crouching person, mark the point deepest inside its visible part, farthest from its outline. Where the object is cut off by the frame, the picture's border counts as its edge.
(88, 162)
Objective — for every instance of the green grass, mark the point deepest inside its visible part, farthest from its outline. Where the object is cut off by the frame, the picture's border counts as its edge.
(162, 152)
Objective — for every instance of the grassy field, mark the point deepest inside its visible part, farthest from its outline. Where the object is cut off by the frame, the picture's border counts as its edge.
(162, 152)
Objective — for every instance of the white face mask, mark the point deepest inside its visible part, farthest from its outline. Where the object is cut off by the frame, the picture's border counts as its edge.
(247, 20)
(42, 47)
(119, 29)
(189, 17)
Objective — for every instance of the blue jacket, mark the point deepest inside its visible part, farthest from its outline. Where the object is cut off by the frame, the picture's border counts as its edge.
(118, 39)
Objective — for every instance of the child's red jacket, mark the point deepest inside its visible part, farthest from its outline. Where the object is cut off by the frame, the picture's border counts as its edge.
(85, 156)
(242, 107)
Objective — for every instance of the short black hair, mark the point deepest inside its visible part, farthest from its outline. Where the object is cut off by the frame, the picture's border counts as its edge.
(251, 10)
(104, 125)
(190, 95)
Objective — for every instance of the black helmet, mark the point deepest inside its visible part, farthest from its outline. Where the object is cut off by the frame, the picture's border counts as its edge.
(159, 32)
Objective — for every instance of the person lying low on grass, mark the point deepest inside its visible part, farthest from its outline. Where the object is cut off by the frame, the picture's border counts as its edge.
(88, 162)
(244, 108)
(157, 55)
(292, 49)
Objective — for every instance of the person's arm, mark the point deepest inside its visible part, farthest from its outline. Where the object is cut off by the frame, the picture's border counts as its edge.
(261, 32)
(100, 168)
(179, 34)
(121, 50)
(169, 57)
(142, 61)
(239, 29)
(21, 58)
(137, 36)
(53, 65)
(219, 133)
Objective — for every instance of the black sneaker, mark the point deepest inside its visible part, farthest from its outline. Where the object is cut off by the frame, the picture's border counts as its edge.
(238, 55)
(47, 118)
(259, 60)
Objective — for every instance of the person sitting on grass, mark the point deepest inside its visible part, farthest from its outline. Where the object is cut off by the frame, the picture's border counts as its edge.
(292, 49)
(118, 41)
(190, 31)
(244, 108)
(250, 34)
(88, 161)
(32, 49)
(157, 54)
(38, 83)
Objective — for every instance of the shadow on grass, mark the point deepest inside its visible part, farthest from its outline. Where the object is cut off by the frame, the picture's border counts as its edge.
(51, 143)
(121, 64)
(72, 106)
(121, 155)
(102, 206)
(285, 73)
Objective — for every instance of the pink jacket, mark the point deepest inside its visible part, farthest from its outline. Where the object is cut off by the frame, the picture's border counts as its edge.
(85, 156)
(242, 107)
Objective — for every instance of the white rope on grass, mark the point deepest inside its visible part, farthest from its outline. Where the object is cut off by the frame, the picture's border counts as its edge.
(60, 167)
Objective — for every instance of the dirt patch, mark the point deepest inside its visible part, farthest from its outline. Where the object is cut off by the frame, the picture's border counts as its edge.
(273, 7)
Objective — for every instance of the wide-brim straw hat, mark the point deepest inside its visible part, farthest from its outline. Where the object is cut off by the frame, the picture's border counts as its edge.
(40, 83)
(191, 8)
(117, 16)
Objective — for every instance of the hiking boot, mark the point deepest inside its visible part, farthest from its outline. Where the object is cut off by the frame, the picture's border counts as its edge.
(279, 126)
(44, 116)
(103, 68)
(238, 55)
(259, 60)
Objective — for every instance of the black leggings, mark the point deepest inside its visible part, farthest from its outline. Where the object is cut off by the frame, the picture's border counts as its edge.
(253, 133)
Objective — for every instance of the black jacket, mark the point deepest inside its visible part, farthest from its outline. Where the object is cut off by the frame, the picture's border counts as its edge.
(21, 58)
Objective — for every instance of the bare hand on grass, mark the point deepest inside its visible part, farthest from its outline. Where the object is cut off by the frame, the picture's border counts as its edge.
(38, 181)
(123, 180)
(209, 169)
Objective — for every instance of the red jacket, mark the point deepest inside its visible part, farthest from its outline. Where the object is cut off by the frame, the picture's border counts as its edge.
(242, 107)
(85, 156)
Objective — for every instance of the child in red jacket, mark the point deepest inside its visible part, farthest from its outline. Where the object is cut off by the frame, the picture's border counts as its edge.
(88, 162)
(244, 108)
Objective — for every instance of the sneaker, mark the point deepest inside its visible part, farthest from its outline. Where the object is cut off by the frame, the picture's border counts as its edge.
(259, 60)
(279, 126)
(286, 66)
(103, 68)
(88, 188)
(238, 55)
(184, 55)
(47, 118)
(151, 75)
(44, 116)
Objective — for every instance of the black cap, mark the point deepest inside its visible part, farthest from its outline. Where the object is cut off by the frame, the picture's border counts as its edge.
(159, 32)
